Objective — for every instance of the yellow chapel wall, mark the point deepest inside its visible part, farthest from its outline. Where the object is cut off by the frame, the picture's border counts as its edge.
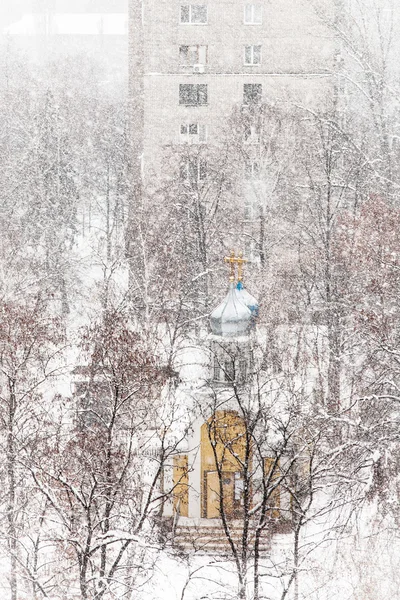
(228, 430)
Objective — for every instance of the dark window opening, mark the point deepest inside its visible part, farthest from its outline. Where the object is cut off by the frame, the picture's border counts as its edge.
(194, 13)
(252, 93)
(193, 94)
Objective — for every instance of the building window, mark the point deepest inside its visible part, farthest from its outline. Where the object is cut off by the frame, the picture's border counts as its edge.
(252, 55)
(216, 369)
(252, 169)
(252, 93)
(193, 133)
(252, 211)
(193, 170)
(192, 55)
(253, 14)
(229, 370)
(251, 134)
(194, 14)
(193, 94)
(253, 256)
(241, 377)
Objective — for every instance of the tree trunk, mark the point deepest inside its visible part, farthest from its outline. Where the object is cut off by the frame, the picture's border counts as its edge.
(11, 501)
(296, 563)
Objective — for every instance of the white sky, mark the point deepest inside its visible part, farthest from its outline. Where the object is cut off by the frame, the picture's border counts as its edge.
(70, 24)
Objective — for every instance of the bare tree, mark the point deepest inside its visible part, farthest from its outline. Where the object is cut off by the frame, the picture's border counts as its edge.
(29, 348)
(94, 477)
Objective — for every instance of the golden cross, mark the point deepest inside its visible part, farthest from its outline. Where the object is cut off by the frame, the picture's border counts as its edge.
(235, 260)
(240, 262)
(231, 260)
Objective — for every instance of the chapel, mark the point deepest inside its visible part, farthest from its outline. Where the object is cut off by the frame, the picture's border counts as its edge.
(217, 474)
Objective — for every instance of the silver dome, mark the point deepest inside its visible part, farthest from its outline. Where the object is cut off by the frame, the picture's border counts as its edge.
(247, 299)
(232, 318)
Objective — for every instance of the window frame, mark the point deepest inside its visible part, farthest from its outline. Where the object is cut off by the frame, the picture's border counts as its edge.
(191, 22)
(253, 16)
(198, 51)
(252, 47)
(193, 138)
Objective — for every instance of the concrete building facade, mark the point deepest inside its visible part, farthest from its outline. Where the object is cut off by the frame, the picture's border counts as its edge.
(191, 63)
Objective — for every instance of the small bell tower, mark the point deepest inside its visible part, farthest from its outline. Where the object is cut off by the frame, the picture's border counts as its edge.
(233, 325)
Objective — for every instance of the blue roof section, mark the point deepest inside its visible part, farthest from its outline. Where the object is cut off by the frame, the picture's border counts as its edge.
(246, 298)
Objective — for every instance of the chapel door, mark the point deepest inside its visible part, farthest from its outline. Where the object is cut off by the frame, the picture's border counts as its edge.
(213, 493)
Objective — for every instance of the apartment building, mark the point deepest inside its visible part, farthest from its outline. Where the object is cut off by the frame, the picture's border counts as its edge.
(191, 63)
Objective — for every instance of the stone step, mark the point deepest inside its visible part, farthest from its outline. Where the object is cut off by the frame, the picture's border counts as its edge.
(196, 533)
(212, 546)
(212, 543)
(220, 535)
(210, 528)
(213, 539)
(204, 535)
